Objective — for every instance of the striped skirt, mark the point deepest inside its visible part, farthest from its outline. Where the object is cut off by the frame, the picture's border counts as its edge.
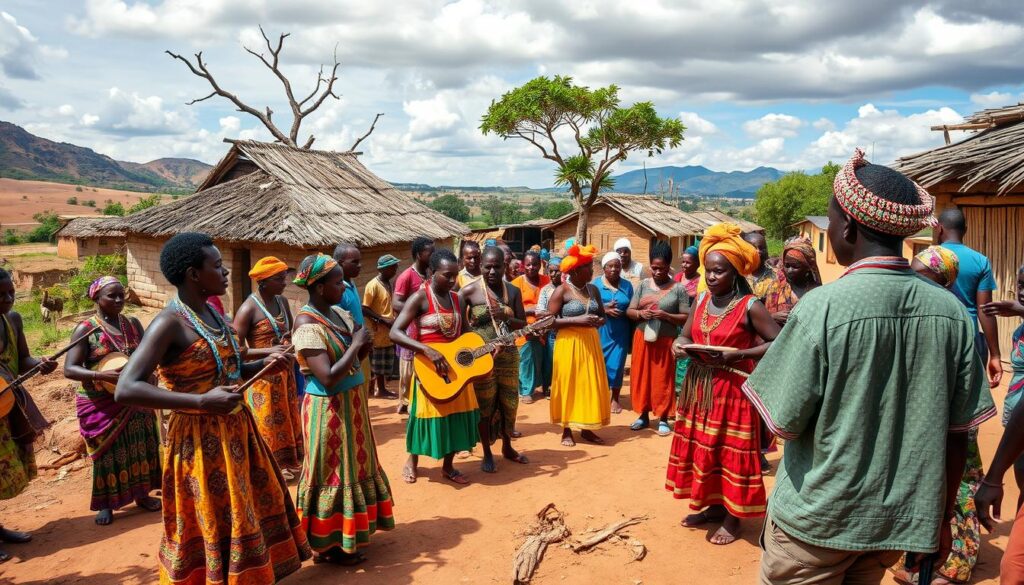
(715, 449)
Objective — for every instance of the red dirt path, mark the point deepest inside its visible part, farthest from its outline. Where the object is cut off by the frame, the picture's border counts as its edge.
(445, 534)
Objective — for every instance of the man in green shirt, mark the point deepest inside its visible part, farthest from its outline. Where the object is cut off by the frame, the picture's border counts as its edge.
(874, 383)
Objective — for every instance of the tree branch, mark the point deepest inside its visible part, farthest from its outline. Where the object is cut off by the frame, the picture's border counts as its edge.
(368, 132)
(199, 69)
(532, 140)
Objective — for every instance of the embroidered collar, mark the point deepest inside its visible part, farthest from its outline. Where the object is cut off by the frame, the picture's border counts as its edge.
(884, 262)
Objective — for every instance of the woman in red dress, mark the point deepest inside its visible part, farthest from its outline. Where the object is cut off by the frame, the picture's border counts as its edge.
(715, 449)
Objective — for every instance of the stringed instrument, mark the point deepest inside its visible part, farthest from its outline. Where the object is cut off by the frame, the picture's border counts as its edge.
(468, 357)
(8, 383)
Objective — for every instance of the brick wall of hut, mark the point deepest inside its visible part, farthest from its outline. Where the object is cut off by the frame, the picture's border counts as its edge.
(607, 225)
(153, 290)
(78, 248)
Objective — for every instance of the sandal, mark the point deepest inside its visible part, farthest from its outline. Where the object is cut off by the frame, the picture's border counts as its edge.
(526, 399)
(409, 474)
(455, 476)
(4, 557)
(639, 424)
(722, 537)
(700, 519)
(14, 537)
(517, 458)
(663, 429)
(339, 557)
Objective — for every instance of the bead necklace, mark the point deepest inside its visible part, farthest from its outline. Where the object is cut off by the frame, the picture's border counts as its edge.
(207, 334)
(447, 323)
(278, 335)
(123, 325)
(705, 327)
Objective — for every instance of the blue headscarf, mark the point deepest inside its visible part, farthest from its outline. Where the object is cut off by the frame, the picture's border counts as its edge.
(545, 255)
(691, 250)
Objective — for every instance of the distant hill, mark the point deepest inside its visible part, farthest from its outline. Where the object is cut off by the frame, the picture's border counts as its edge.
(26, 156)
(697, 180)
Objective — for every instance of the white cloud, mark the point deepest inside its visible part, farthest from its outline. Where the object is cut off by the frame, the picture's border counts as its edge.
(885, 135)
(824, 124)
(994, 99)
(696, 125)
(773, 125)
(89, 119)
(130, 114)
(66, 110)
(230, 125)
(21, 53)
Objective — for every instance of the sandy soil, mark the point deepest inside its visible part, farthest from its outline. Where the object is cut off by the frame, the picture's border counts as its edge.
(445, 534)
(20, 200)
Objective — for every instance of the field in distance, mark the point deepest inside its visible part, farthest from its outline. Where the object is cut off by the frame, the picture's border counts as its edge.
(20, 200)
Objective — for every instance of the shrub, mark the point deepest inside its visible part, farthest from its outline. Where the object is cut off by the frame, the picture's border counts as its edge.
(89, 203)
(72, 201)
(79, 188)
(144, 203)
(113, 209)
(48, 225)
(11, 237)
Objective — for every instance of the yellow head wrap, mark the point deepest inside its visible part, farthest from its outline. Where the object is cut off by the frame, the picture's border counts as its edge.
(725, 239)
(941, 261)
(267, 267)
(578, 255)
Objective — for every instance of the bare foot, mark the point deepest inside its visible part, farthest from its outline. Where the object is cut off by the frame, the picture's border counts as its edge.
(590, 437)
(513, 455)
(728, 533)
(149, 504)
(701, 518)
(409, 473)
(616, 407)
(105, 517)
(567, 439)
(487, 465)
(455, 476)
(385, 394)
(464, 454)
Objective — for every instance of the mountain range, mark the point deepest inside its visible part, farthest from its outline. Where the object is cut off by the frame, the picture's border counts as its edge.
(26, 156)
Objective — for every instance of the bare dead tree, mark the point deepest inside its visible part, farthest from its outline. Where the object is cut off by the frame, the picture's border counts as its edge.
(301, 108)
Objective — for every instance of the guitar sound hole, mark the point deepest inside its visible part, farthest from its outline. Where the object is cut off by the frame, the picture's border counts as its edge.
(464, 358)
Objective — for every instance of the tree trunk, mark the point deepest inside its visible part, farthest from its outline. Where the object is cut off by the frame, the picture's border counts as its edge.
(582, 224)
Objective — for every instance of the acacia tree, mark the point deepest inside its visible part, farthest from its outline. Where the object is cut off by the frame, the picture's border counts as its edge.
(595, 132)
(300, 108)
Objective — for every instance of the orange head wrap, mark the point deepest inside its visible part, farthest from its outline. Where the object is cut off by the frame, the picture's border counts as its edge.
(577, 256)
(267, 267)
(725, 239)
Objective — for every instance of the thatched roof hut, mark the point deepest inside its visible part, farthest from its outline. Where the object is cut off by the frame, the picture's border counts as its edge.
(270, 199)
(89, 236)
(642, 219)
(983, 175)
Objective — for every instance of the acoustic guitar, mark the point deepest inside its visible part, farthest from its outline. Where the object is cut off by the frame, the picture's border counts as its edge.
(468, 357)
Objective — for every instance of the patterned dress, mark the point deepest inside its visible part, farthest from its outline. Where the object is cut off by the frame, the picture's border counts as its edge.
(227, 514)
(437, 430)
(580, 398)
(343, 495)
(653, 369)
(17, 461)
(122, 441)
(497, 393)
(274, 398)
(714, 458)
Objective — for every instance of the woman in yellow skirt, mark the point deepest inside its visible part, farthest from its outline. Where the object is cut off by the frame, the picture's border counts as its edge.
(580, 398)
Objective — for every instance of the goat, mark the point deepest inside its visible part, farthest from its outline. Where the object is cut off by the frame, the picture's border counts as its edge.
(51, 309)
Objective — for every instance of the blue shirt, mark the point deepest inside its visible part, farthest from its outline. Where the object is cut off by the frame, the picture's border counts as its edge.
(975, 275)
(352, 302)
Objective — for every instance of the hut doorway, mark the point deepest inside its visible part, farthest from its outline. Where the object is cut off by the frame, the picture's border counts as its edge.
(241, 263)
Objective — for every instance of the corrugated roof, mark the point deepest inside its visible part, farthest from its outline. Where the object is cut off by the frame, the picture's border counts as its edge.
(661, 218)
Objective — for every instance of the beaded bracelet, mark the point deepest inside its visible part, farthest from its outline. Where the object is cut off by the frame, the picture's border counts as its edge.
(990, 484)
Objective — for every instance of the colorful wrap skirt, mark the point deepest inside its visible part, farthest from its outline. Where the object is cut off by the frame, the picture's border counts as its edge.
(274, 402)
(498, 394)
(17, 463)
(343, 494)
(436, 430)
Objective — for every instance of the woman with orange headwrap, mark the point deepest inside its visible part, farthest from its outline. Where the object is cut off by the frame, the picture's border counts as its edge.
(799, 274)
(580, 398)
(264, 324)
(714, 459)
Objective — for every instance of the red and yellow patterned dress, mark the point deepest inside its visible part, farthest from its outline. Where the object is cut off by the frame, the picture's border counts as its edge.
(228, 517)
(274, 399)
(715, 449)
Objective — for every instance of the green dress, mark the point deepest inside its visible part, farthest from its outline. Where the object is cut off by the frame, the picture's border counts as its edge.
(497, 393)
(17, 462)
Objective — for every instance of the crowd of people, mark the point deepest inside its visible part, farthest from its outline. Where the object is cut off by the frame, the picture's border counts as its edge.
(875, 384)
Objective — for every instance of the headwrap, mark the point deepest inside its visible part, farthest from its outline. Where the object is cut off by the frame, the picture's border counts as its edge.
(801, 248)
(98, 284)
(490, 242)
(313, 268)
(613, 255)
(267, 267)
(555, 262)
(569, 244)
(535, 248)
(941, 261)
(622, 243)
(545, 255)
(577, 256)
(878, 213)
(385, 261)
(725, 239)
(691, 250)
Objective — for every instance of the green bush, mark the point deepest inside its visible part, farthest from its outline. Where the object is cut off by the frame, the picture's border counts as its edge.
(78, 188)
(72, 201)
(114, 209)
(11, 237)
(144, 203)
(49, 223)
(89, 203)
(93, 268)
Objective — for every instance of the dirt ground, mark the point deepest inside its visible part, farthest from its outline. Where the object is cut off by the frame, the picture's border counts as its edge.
(20, 200)
(445, 534)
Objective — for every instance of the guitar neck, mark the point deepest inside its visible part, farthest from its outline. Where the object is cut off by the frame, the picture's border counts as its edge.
(503, 340)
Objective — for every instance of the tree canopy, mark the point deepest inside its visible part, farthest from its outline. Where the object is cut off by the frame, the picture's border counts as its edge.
(451, 205)
(782, 203)
(583, 131)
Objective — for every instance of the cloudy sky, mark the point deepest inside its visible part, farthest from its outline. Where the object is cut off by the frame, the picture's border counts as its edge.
(787, 84)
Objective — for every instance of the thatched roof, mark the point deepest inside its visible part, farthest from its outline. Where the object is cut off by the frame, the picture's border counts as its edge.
(660, 218)
(296, 197)
(994, 154)
(92, 227)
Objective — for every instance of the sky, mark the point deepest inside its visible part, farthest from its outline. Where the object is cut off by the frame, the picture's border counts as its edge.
(786, 84)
